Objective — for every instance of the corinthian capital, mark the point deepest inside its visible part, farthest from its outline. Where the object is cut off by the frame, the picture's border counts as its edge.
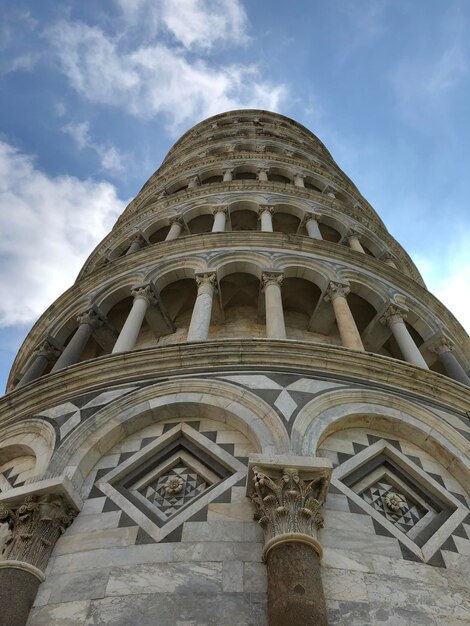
(220, 209)
(90, 317)
(272, 278)
(145, 292)
(35, 523)
(336, 290)
(176, 219)
(47, 349)
(289, 500)
(442, 344)
(206, 279)
(395, 314)
(266, 207)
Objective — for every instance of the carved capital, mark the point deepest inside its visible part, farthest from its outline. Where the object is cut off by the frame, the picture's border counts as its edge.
(311, 216)
(91, 318)
(144, 292)
(48, 350)
(288, 501)
(35, 524)
(394, 315)
(387, 256)
(220, 209)
(176, 219)
(272, 278)
(336, 290)
(266, 207)
(330, 191)
(206, 280)
(443, 344)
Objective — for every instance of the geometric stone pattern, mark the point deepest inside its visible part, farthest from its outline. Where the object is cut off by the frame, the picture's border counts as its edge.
(406, 517)
(187, 485)
(15, 472)
(345, 445)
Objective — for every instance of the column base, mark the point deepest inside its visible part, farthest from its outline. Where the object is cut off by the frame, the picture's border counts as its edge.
(19, 583)
(295, 590)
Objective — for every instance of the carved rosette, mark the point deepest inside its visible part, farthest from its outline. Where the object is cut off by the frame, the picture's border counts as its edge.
(35, 524)
(289, 506)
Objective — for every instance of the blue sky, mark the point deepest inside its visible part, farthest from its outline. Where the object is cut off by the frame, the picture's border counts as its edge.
(93, 94)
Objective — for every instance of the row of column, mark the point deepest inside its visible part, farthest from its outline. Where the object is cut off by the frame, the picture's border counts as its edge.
(311, 221)
(262, 176)
(144, 297)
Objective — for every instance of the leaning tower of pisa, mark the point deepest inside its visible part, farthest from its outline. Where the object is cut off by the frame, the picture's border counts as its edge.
(247, 410)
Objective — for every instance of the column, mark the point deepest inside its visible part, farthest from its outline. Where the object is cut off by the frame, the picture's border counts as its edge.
(266, 213)
(444, 349)
(387, 258)
(299, 180)
(202, 311)
(35, 523)
(143, 297)
(311, 224)
(138, 243)
(193, 182)
(288, 504)
(350, 337)
(272, 283)
(395, 318)
(262, 174)
(353, 241)
(176, 226)
(228, 175)
(87, 322)
(330, 192)
(220, 217)
(44, 354)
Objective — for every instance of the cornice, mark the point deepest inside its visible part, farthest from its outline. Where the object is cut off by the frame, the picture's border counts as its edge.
(309, 359)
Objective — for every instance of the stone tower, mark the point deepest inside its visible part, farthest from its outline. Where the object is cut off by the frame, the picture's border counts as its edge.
(247, 410)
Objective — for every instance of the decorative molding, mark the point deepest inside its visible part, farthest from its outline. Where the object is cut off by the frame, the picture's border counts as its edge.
(272, 278)
(90, 317)
(336, 290)
(145, 292)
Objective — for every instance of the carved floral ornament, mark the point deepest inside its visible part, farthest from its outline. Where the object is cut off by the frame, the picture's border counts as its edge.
(35, 524)
(289, 506)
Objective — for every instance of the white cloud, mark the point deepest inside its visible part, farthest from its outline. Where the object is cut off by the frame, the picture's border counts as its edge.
(111, 158)
(156, 79)
(196, 24)
(447, 275)
(49, 226)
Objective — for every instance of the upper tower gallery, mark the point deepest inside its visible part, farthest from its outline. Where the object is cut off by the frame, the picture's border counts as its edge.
(241, 194)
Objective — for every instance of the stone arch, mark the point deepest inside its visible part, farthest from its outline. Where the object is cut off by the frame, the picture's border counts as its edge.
(219, 400)
(31, 438)
(341, 408)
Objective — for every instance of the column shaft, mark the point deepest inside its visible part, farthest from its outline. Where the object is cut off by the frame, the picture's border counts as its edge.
(275, 326)
(135, 246)
(227, 176)
(405, 342)
(202, 311)
(219, 221)
(130, 331)
(266, 221)
(175, 230)
(35, 370)
(350, 337)
(453, 367)
(18, 588)
(355, 244)
(313, 229)
(299, 180)
(295, 590)
(74, 348)
(263, 175)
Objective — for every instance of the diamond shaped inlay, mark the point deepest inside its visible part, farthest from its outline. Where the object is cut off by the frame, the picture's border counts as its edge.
(169, 480)
(400, 496)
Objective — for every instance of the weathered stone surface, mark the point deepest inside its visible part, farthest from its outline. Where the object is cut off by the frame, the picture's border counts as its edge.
(17, 592)
(295, 592)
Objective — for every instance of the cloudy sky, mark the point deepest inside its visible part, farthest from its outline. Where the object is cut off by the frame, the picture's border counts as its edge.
(93, 94)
